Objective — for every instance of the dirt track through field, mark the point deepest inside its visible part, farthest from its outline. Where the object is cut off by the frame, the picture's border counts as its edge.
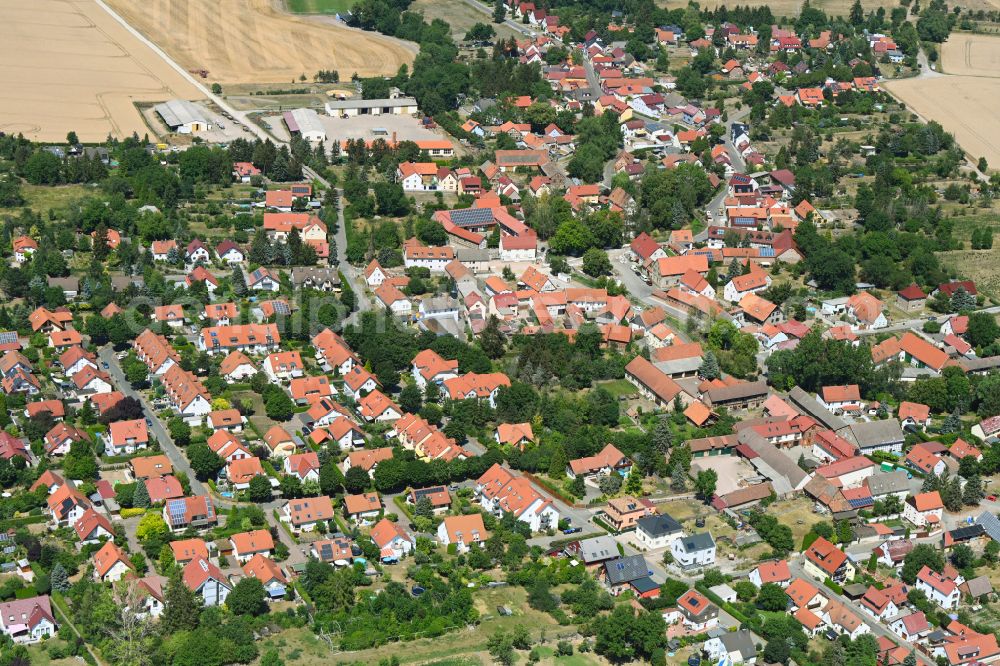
(68, 65)
(964, 100)
(252, 41)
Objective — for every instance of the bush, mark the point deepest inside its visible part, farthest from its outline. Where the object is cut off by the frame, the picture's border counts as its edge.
(131, 513)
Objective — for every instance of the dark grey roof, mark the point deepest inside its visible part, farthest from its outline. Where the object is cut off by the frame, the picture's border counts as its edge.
(980, 364)
(888, 482)
(301, 274)
(626, 569)
(967, 532)
(990, 523)
(469, 254)
(785, 475)
(739, 391)
(740, 641)
(697, 542)
(876, 433)
(807, 403)
(644, 584)
(659, 525)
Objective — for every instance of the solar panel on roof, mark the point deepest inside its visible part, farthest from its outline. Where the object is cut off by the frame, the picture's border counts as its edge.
(471, 216)
(281, 307)
(7, 337)
(860, 502)
(767, 251)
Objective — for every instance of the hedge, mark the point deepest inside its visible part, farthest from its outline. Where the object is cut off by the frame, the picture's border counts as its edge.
(129, 513)
(24, 520)
(717, 600)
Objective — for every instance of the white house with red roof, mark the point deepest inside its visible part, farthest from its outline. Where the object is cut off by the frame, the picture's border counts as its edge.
(304, 466)
(500, 491)
(840, 397)
(938, 588)
(393, 541)
(429, 366)
(111, 563)
(126, 437)
(92, 527)
(912, 627)
(644, 249)
(775, 572)
(247, 544)
(924, 509)
(206, 579)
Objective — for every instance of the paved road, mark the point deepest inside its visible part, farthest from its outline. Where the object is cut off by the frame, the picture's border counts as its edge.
(354, 277)
(510, 23)
(237, 115)
(878, 629)
(917, 323)
(738, 165)
(179, 461)
(638, 288)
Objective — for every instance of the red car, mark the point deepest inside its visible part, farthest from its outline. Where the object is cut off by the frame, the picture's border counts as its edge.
(992, 498)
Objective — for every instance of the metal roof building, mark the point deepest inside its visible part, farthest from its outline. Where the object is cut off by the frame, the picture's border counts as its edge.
(305, 123)
(183, 116)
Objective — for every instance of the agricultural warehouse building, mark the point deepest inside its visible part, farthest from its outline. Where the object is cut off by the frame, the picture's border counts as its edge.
(305, 123)
(348, 108)
(183, 116)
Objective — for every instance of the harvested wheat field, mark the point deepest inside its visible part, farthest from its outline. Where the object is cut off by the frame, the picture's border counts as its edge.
(966, 54)
(252, 41)
(964, 99)
(68, 65)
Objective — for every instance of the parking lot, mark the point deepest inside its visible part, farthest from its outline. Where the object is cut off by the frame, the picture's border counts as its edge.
(731, 470)
(369, 128)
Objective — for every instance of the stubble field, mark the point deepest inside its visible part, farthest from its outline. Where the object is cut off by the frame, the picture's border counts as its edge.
(68, 65)
(253, 41)
(964, 99)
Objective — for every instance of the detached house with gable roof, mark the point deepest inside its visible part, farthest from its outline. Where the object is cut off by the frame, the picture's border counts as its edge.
(499, 491)
(940, 589)
(824, 560)
(207, 580)
(429, 366)
(29, 620)
(924, 509)
(463, 531)
(608, 460)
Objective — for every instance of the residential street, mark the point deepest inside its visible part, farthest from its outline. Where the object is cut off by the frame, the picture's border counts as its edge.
(878, 629)
(107, 355)
(638, 288)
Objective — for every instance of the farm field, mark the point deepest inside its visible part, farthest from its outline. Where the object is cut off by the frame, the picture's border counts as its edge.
(978, 265)
(963, 100)
(318, 6)
(460, 16)
(252, 41)
(966, 54)
(964, 105)
(85, 75)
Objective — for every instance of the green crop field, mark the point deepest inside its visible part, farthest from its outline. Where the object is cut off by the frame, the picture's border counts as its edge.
(319, 6)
